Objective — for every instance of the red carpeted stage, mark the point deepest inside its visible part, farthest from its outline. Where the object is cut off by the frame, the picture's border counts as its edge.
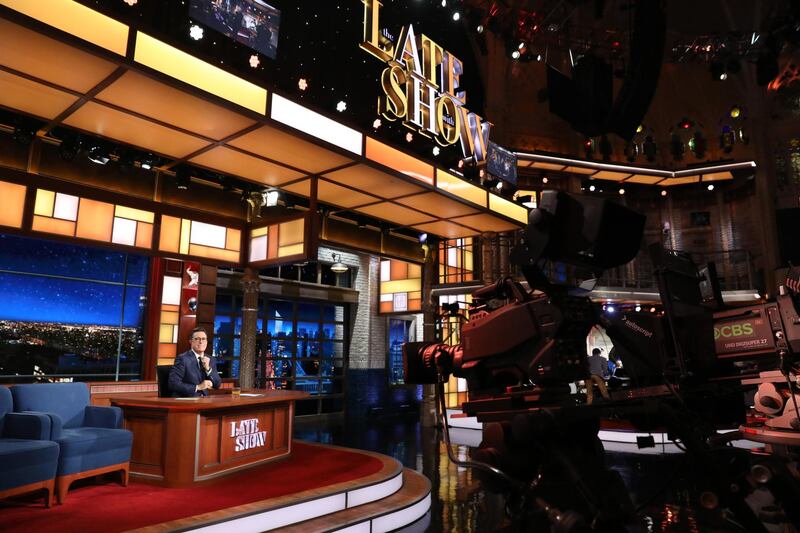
(340, 487)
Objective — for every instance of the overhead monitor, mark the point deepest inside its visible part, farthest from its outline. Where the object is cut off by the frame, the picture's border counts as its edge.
(253, 23)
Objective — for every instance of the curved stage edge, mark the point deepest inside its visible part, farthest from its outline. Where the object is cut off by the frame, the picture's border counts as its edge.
(390, 498)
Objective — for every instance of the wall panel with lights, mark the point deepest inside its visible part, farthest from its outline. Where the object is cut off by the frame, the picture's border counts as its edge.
(400, 287)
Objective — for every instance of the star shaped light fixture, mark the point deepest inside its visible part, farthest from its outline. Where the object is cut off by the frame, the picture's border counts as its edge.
(376, 123)
(341, 106)
(195, 32)
(254, 62)
(131, 2)
(302, 84)
(409, 137)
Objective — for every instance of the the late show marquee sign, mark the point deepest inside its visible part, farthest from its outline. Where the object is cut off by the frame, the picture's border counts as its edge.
(420, 86)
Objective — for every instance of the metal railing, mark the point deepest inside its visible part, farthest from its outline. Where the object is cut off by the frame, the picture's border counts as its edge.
(734, 268)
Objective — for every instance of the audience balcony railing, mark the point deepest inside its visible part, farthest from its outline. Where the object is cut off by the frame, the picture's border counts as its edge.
(734, 269)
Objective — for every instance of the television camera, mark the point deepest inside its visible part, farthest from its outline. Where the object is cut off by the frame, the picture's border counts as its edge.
(522, 349)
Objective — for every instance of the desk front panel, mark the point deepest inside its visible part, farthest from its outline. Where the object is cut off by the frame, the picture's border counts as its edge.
(229, 439)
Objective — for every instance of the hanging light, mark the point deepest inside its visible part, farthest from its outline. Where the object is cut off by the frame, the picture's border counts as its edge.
(338, 267)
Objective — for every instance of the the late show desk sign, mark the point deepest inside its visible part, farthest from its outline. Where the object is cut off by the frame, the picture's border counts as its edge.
(420, 87)
(247, 435)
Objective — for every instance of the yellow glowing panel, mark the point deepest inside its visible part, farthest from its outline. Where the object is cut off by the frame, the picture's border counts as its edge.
(446, 229)
(151, 98)
(368, 179)
(170, 317)
(486, 222)
(291, 232)
(233, 162)
(144, 235)
(45, 201)
(461, 188)
(13, 196)
(644, 178)
(95, 220)
(233, 239)
(342, 196)
(718, 176)
(258, 232)
(134, 214)
(401, 285)
(547, 166)
(186, 234)
(189, 69)
(47, 59)
(414, 270)
(437, 205)
(170, 234)
(399, 161)
(395, 213)
(415, 295)
(508, 208)
(580, 170)
(294, 249)
(679, 181)
(214, 253)
(275, 144)
(133, 130)
(30, 97)
(611, 176)
(76, 19)
(54, 225)
(165, 333)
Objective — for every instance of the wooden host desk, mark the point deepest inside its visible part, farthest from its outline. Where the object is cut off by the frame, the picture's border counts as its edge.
(179, 442)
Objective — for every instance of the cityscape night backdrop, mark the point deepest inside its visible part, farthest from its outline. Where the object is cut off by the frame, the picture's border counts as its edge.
(62, 307)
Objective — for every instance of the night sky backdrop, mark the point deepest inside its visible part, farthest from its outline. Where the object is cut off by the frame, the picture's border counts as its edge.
(43, 298)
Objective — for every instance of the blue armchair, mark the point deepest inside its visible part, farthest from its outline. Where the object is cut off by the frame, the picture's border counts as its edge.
(28, 459)
(90, 437)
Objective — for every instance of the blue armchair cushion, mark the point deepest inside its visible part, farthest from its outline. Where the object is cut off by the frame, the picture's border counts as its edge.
(67, 400)
(88, 448)
(34, 426)
(103, 417)
(23, 462)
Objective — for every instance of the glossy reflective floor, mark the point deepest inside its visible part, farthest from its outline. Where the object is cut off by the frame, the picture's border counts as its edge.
(459, 502)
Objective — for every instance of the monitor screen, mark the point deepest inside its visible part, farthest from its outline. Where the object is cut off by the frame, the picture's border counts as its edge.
(253, 23)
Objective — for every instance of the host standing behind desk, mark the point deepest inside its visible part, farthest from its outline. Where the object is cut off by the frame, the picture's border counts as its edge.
(181, 441)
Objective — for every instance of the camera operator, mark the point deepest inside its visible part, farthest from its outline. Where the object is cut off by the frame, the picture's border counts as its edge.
(598, 369)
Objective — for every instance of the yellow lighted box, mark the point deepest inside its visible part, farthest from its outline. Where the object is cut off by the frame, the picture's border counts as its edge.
(13, 196)
(165, 58)
(508, 208)
(460, 188)
(400, 161)
(76, 19)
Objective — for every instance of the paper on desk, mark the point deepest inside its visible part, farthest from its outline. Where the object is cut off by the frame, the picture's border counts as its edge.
(192, 398)
(251, 394)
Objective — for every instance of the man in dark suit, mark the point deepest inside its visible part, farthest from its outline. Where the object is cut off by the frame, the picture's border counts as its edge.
(193, 372)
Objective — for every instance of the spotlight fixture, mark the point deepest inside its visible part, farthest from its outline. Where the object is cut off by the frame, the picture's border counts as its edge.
(436, 150)
(663, 192)
(544, 180)
(710, 187)
(479, 28)
(652, 309)
(99, 155)
(423, 238)
(592, 188)
(621, 191)
(515, 54)
(69, 148)
(637, 308)
(338, 267)
(271, 198)
(456, 16)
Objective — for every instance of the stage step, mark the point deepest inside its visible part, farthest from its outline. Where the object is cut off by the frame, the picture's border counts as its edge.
(403, 507)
